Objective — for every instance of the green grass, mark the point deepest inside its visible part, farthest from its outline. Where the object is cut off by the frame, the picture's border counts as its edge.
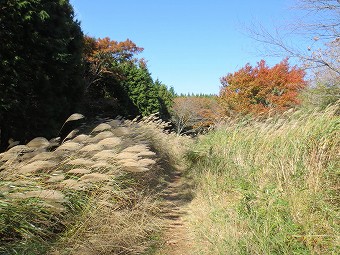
(268, 187)
(30, 226)
(27, 225)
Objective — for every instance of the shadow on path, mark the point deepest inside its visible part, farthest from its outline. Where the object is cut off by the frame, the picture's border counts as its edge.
(177, 195)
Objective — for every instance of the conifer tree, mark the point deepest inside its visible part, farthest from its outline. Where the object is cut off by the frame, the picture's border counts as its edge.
(40, 66)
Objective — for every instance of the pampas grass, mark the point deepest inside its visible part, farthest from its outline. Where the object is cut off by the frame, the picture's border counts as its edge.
(111, 142)
(69, 146)
(104, 155)
(79, 171)
(81, 139)
(81, 162)
(100, 136)
(67, 197)
(268, 186)
(36, 166)
(38, 142)
(101, 127)
(75, 116)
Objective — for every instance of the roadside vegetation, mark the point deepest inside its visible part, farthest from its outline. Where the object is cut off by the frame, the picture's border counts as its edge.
(96, 193)
(263, 154)
(268, 186)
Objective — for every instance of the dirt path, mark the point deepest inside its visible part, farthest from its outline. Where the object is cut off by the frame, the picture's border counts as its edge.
(177, 196)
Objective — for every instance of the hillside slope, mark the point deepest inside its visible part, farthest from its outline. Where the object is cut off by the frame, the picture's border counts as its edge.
(97, 193)
(268, 186)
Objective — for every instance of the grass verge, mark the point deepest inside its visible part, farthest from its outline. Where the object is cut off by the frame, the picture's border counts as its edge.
(268, 187)
(94, 194)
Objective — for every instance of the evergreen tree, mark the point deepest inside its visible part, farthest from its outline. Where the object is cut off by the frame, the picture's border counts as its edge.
(118, 83)
(139, 85)
(165, 98)
(40, 66)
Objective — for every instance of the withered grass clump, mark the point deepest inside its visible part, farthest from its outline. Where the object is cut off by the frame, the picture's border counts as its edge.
(268, 187)
(94, 194)
(104, 228)
(173, 146)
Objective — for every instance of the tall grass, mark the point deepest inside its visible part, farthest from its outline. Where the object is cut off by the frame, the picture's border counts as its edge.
(268, 187)
(169, 144)
(94, 194)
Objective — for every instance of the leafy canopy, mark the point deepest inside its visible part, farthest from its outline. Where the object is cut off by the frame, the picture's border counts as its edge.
(261, 89)
(40, 65)
(113, 72)
(195, 113)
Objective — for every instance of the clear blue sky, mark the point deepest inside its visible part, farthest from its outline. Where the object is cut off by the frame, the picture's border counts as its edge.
(189, 44)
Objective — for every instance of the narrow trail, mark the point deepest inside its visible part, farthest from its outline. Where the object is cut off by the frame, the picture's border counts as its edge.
(177, 195)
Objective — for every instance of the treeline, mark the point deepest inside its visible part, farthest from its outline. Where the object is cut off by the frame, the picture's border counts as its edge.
(117, 82)
(195, 95)
(49, 70)
(256, 91)
(41, 67)
(252, 90)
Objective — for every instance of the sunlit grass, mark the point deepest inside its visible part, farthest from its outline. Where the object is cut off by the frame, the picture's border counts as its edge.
(94, 194)
(268, 187)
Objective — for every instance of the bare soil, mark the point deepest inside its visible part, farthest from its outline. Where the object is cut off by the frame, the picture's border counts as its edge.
(177, 195)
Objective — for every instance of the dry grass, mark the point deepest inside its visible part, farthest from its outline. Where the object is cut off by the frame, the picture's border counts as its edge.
(69, 146)
(79, 171)
(106, 229)
(111, 142)
(101, 127)
(100, 136)
(94, 194)
(80, 162)
(91, 148)
(39, 165)
(173, 146)
(268, 187)
(82, 138)
(39, 142)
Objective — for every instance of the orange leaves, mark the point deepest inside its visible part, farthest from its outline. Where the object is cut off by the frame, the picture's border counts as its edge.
(102, 54)
(119, 50)
(261, 89)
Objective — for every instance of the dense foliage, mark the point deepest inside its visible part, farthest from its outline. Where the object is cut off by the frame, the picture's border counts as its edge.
(261, 89)
(121, 82)
(41, 68)
(47, 65)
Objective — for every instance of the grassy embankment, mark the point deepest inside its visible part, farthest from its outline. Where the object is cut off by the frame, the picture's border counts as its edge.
(97, 193)
(268, 187)
(262, 187)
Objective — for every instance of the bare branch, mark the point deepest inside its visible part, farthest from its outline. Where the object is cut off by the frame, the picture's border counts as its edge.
(322, 30)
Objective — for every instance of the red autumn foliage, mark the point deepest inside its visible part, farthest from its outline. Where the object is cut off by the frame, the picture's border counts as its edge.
(119, 50)
(261, 89)
(99, 55)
